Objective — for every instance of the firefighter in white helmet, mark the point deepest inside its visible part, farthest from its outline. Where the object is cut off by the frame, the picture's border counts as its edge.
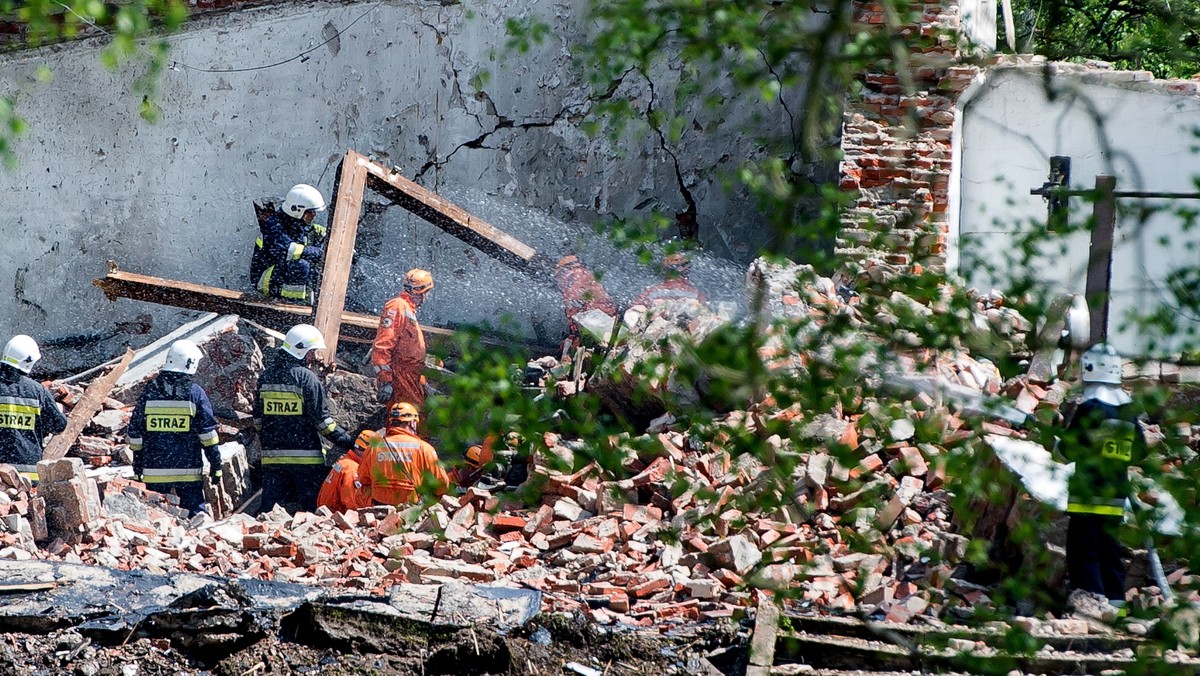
(28, 413)
(290, 247)
(1103, 439)
(173, 428)
(292, 415)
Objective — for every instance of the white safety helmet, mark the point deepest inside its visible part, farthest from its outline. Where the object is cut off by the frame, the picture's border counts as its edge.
(301, 339)
(183, 357)
(302, 198)
(1101, 364)
(21, 353)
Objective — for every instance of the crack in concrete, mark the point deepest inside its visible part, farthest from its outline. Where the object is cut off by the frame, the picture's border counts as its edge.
(686, 220)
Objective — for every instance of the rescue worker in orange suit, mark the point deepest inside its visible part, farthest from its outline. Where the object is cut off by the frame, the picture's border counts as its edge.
(292, 415)
(341, 491)
(27, 411)
(173, 429)
(580, 290)
(404, 466)
(676, 286)
(398, 353)
(476, 461)
(290, 247)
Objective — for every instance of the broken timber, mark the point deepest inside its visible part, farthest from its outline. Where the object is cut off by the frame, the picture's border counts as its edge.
(86, 409)
(355, 175)
(354, 327)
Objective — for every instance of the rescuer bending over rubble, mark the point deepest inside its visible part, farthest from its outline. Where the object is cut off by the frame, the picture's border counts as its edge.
(290, 247)
(172, 427)
(341, 491)
(292, 414)
(27, 411)
(675, 286)
(393, 473)
(398, 353)
(581, 292)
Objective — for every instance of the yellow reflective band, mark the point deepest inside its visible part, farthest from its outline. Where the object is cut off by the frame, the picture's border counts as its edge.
(170, 479)
(282, 403)
(168, 423)
(1100, 510)
(18, 417)
(264, 281)
(258, 243)
(294, 461)
(295, 250)
(293, 291)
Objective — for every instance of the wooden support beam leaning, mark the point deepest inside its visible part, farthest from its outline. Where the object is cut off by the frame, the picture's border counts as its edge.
(339, 251)
(452, 218)
(86, 409)
(355, 327)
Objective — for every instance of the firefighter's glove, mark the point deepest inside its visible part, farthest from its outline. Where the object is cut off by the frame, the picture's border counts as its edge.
(385, 393)
(214, 474)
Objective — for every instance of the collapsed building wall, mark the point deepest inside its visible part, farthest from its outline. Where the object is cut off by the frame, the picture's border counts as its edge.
(427, 87)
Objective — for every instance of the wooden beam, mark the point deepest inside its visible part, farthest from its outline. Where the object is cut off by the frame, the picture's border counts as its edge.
(1099, 274)
(86, 409)
(451, 218)
(339, 251)
(354, 327)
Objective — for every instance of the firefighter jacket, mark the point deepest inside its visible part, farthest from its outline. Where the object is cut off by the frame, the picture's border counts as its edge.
(399, 343)
(1103, 441)
(283, 238)
(27, 414)
(171, 426)
(292, 415)
(341, 490)
(581, 292)
(671, 289)
(391, 473)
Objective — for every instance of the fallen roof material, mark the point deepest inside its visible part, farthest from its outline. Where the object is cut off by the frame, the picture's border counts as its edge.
(86, 409)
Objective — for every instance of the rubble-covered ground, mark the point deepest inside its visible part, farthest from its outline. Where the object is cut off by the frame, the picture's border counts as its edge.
(659, 553)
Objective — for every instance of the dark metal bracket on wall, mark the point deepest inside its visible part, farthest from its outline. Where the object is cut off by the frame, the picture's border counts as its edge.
(1104, 213)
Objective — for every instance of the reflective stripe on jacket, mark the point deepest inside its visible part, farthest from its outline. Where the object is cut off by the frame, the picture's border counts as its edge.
(27, 415)
(293, 414)
(391, 474)
(1103, 441)
(172, 427)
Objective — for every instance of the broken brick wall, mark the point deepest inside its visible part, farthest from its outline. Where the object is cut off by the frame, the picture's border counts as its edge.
(897, 137)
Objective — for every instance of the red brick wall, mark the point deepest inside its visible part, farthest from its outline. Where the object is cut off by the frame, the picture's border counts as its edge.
(896, 143)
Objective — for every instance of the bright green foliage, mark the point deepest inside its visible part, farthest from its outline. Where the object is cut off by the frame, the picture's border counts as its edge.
(1155, 35)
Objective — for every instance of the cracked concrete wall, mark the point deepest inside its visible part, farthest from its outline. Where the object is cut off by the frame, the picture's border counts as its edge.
(422, 86)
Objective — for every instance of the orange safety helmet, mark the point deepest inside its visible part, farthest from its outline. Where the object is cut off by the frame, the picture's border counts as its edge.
(418, 282)
(479, 455)
(402, 412)
(366, 441)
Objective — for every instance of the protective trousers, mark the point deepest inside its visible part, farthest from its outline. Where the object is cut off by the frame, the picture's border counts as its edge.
(1094, 555)
(293, 486)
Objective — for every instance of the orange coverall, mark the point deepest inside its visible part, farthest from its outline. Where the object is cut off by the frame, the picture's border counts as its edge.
(670, 289)
(581, 292)
(398, 353)
(339, 493)
(390, 474)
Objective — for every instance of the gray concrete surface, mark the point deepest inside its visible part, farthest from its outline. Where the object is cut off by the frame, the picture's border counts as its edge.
(423, 86)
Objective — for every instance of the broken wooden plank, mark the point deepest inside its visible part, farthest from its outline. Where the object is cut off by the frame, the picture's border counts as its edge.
(355, 327)
(451, 218)
(86, 409)
(762, 642)
(339, 252)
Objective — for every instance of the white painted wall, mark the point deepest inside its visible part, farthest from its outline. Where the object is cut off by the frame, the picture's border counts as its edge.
(1140, 132)
(173, 199)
